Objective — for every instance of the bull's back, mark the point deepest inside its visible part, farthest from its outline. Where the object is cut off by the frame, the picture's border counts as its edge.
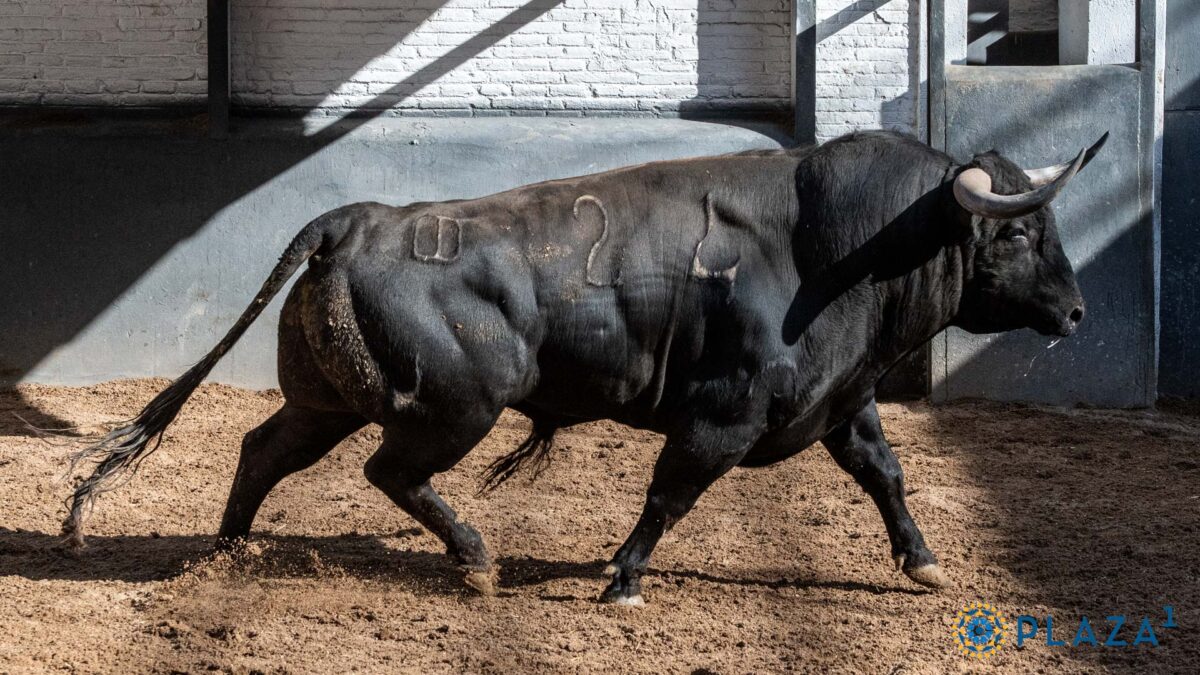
(569, 294)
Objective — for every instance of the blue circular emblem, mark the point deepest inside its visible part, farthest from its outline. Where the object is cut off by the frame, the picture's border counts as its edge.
(980, 630)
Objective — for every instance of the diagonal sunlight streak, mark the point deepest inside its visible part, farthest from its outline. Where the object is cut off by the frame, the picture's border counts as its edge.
(429, 73)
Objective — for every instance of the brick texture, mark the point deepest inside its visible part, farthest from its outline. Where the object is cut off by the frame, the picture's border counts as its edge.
(89, 52)
(469, 57)
(867, 62)
(512, 56)
(1027, 15)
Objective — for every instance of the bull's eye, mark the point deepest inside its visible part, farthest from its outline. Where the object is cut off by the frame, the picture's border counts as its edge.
(1015, 234)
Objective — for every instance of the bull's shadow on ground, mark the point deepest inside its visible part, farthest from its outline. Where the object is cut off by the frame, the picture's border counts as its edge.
(1084, 511)
(40, 556)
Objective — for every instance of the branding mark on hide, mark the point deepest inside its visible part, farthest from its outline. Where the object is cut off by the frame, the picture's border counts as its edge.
(602, 264)
(437, 239)
(699, 269)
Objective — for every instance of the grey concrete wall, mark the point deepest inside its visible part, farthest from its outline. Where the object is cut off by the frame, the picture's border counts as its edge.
(131, 247)
(1039, 116)
(1180, 348)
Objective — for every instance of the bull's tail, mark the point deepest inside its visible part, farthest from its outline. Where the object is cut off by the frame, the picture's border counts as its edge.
(118, 454)
(533, 452)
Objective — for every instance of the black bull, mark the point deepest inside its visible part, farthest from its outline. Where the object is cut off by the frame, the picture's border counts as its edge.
(744, 306)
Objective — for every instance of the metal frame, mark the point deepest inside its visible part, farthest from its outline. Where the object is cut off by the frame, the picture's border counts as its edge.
(219, 86)
(804, 71)
(1152, 57)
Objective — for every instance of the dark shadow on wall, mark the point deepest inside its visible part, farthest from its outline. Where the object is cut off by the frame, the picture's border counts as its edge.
(74, 262)
(179, 178)
(352, 57)
(1180, 351)
(743, 68)
(284, 59)
(904, 111)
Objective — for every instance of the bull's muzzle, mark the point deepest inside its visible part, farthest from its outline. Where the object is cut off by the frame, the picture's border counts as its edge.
(1070, 321)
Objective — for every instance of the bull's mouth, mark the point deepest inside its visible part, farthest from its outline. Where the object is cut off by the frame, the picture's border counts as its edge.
(1046, 319)
(1064, 328)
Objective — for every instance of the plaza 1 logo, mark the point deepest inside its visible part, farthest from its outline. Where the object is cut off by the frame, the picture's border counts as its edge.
(981, 630)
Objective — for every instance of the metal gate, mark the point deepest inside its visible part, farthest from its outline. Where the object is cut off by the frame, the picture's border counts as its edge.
(1039, 115)
(1180, 355)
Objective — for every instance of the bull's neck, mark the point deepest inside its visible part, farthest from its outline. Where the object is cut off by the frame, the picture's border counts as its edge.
(921, 304)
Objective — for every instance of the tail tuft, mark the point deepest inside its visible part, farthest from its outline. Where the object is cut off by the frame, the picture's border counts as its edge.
(119, 452)
(533, 452)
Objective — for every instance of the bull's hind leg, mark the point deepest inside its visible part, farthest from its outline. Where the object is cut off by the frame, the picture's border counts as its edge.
(410, 455)
(859, 447)
(291, 440)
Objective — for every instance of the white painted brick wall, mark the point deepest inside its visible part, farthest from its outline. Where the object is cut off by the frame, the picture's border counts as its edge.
(469, 56)
(494, 57)
(112, 52)
(867, 66)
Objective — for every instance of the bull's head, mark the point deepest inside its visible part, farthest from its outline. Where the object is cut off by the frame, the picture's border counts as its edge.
(1015, 272)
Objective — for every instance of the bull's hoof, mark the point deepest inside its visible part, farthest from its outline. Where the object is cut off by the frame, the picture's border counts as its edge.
(616, 597)
(929, 576)
(485, 581)
(622, 590)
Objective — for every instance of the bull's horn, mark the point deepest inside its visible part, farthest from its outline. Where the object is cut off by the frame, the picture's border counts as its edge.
(1044, 175)
(973, 188)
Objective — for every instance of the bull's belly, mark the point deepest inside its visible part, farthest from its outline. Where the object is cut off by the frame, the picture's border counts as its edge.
(811, 426)
(779, 445)
(594, 378)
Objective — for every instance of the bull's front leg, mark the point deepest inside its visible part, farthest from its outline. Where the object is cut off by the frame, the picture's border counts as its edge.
(859, 447)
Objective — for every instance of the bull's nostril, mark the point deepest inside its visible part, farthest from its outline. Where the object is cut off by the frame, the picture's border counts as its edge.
(1077, 314)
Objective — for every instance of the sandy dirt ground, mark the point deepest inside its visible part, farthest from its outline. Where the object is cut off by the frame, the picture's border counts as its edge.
(1038, 511)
